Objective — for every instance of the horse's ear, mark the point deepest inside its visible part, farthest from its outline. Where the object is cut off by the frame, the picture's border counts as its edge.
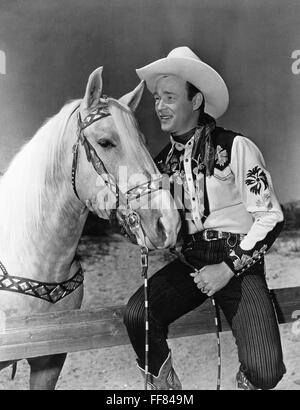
(92, 92)
(133, 98)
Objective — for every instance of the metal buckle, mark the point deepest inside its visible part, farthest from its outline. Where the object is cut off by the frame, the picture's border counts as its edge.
(144, 260)
(205, 237)
(132, 220)
(144, 257)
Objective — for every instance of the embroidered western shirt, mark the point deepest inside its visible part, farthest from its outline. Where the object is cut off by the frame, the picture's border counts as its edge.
(240, 193)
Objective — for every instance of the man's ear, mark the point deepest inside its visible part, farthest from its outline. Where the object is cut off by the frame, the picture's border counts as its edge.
(92, 92)
(197, 101)
(133, 98)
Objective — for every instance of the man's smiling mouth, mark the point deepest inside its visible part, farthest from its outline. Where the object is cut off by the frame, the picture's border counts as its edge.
(165, 117)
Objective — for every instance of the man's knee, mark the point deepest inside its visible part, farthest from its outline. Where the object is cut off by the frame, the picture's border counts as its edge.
(134, 313)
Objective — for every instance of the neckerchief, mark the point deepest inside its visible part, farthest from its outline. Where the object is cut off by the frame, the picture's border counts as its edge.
(203, 150)
(202, 159)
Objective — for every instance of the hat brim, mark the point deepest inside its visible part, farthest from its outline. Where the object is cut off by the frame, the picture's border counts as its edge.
(198, 73)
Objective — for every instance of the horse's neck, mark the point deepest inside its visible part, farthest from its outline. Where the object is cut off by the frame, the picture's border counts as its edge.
(49, 251)
(53, 249)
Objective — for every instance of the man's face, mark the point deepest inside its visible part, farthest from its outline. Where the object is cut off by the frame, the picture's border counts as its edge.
(172, 106)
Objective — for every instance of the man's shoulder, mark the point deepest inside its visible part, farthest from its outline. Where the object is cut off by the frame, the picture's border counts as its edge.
(224, 137)
(222, 140)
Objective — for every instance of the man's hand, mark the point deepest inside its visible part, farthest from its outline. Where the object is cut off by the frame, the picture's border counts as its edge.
(211, 278)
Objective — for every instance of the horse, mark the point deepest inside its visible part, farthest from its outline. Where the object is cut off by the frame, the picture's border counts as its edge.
(46, 193)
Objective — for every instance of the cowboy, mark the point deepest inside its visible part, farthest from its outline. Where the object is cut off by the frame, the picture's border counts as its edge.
(231, 218)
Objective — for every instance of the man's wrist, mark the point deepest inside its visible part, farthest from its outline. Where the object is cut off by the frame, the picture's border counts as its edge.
(230, 273)
(228, 262)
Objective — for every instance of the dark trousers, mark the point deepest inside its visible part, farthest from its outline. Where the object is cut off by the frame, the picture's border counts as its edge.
(245, 301)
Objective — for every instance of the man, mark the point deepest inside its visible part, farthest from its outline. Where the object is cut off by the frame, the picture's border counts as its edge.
(231, 215)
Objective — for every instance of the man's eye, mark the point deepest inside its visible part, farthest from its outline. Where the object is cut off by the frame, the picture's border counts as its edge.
(104, 143)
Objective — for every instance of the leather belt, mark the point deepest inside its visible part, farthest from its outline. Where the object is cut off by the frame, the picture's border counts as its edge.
(212, 235)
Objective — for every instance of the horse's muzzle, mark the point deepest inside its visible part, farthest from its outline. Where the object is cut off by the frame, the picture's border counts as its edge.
(162, 222)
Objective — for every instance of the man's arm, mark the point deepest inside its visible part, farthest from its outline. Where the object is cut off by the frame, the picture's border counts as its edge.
(256, 189)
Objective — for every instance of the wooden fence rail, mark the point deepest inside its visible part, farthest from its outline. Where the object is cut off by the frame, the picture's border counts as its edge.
(76, 330)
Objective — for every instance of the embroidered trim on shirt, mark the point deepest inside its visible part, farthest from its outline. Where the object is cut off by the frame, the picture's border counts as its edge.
(221, 156)
(265, 201)
(240, 263)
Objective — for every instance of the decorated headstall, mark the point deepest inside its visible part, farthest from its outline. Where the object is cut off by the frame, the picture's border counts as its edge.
(100, 112)
(130, 220)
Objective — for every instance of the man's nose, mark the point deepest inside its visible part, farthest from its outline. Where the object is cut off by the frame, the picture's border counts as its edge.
(160, 105)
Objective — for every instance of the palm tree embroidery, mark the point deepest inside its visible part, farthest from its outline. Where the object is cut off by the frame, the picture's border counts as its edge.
(258, 179)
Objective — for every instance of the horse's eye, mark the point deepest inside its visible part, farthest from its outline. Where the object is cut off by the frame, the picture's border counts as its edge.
(105, 143)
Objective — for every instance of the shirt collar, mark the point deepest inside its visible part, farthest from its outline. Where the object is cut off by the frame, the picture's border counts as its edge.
(180, 141)
(184, 138)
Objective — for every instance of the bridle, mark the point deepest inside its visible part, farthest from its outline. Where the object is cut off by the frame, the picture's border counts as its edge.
(130, 220)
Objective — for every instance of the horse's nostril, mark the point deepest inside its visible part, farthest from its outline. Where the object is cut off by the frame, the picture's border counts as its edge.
(161, 230)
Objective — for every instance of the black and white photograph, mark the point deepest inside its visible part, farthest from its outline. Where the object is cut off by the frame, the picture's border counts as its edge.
(149, 197)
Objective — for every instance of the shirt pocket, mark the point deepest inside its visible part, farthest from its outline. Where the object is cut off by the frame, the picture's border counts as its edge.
(223, 174)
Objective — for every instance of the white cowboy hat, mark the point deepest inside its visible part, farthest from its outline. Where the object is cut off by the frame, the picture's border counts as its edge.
(184, 63)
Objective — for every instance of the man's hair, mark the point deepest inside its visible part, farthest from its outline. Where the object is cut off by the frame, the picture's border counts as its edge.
(191, 92)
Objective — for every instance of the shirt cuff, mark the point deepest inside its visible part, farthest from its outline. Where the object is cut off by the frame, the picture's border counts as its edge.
(239, 260)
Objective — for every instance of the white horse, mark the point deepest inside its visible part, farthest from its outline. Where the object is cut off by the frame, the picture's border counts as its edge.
(43, 198)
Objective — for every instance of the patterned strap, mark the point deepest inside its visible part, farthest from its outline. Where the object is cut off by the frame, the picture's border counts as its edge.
(146, 188)
(51, 292)
(100, 112)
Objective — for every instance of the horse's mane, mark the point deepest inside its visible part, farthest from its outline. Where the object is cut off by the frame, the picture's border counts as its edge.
(25, 184)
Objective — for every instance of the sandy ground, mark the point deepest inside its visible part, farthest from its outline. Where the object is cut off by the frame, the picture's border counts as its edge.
(112, 274)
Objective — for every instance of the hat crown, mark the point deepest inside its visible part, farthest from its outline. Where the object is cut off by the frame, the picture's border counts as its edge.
(184, 63)
(183, 52)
